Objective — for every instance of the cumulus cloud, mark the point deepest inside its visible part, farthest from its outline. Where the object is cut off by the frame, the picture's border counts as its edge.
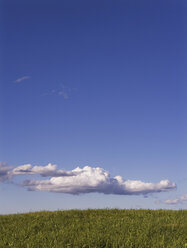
(19, 80)
(180, 199)
(82, 180)
(5, 172)
(87, 180)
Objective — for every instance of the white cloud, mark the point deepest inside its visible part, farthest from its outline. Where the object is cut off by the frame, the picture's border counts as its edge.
(87, 180)
(83, 180)
(4, 172)
(19, 80)
(45, 171)
(180, 199)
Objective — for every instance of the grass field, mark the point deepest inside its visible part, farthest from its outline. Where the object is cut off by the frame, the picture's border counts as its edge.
(95, 228)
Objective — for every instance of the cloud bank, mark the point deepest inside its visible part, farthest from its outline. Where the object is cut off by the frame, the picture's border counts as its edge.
(86, 180)
(180, 199)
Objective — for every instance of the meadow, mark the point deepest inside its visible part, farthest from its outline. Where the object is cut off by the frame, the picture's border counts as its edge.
(95, 228)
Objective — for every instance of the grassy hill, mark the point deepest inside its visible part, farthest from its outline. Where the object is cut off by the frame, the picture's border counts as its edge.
(95, 228)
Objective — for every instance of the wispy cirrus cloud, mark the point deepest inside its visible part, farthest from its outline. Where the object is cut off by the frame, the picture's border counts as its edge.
(86, 180)
(61, 91)
(180, 199)
(19, 80)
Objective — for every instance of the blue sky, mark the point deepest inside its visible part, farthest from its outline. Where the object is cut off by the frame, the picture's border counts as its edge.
(93, 83)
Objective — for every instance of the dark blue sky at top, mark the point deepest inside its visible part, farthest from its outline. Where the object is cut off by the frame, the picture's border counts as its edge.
(122, 65)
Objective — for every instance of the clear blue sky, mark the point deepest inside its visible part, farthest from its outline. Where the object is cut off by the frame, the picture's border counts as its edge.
(98, 83)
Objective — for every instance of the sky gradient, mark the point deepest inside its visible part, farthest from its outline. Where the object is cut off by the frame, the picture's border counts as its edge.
(98, 84)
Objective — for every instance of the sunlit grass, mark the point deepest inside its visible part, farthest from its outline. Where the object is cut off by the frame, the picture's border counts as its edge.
(95, 228)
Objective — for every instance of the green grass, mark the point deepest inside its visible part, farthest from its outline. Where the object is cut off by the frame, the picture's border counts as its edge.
(95, 228)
